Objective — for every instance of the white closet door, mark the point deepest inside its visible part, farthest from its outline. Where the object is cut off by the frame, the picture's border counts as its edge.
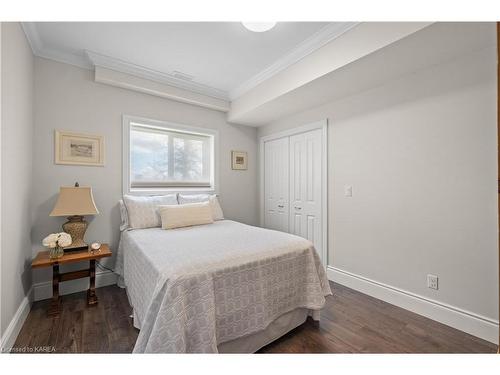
(276, 182)
(306, 187)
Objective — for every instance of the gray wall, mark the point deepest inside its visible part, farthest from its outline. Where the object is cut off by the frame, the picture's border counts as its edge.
(421, 155)
(16, 149)
(67, 98)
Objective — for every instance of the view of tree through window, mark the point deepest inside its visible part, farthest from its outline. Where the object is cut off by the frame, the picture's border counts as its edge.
(188, 159)
(149, 156)
(163, 157)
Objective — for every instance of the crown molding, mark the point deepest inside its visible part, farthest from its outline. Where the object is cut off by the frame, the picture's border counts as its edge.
(89, 59)
(31, 33)
(131, 82)
(121, 66)
(41, 50)
(308, 46)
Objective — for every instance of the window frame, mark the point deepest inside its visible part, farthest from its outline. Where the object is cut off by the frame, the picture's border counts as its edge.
(129, 120)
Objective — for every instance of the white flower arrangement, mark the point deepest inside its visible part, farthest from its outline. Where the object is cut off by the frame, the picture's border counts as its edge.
(54, 240)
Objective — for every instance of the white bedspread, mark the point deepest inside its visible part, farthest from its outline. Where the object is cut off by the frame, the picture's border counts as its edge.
(194, 288)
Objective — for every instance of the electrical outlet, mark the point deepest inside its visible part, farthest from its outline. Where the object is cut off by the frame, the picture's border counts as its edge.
(432, 282)
(348, 190)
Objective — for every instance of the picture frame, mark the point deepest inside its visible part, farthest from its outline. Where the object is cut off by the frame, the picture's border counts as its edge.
(239, 160)
(78, 149)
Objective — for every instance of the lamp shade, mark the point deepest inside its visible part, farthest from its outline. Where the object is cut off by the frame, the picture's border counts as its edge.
(74, 201)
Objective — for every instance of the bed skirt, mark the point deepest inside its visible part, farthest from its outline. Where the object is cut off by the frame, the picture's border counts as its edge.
(279, 327)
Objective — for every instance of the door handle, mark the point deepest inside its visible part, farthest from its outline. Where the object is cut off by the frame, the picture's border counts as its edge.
(281, 206)
(298, 208)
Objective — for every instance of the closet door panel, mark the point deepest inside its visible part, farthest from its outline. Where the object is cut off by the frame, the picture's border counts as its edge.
(296, 183)
(276, 184)
(305, 186)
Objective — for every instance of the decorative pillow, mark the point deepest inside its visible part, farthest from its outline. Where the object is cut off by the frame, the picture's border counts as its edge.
(213, 199)
(123, 216)
(193, 198)
(185, 215)
(216, 208)
(143, 210)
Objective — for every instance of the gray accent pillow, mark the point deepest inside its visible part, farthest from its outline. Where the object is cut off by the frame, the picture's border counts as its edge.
(123, 216)
(143, 210)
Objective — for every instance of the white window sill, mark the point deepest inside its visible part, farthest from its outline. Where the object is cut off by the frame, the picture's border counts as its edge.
(145, 191)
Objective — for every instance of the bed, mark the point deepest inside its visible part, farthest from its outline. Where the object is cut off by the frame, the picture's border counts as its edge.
(224, 287)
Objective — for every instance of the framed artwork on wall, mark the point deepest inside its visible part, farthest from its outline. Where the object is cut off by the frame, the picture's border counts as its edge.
(239, 160)
(79, 149)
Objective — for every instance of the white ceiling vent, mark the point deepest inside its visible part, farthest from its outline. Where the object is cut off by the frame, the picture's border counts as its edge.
(183, 76)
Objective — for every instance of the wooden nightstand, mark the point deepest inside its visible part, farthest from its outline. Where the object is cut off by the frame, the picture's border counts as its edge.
(42, 260)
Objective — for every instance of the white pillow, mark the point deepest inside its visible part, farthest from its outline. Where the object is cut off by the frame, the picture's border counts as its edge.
(185, 215)
(193, 198)
(213, 199)
(216, 208)
(143, 210)
(123, 216)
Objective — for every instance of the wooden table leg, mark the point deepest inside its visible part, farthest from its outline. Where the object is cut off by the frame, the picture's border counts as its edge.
(91, 296)
(55, 304)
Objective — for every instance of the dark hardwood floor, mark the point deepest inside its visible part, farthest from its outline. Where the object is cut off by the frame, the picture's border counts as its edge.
(351, 322)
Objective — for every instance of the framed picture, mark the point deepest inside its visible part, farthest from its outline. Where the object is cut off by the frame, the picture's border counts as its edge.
(239, 160)
(79, 149)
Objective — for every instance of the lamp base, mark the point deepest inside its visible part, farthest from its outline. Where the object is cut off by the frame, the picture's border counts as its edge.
(76, 226)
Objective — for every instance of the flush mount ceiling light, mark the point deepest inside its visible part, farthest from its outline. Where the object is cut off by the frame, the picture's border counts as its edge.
(259, 27)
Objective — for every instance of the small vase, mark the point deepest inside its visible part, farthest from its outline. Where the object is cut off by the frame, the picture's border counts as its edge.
(56, 252)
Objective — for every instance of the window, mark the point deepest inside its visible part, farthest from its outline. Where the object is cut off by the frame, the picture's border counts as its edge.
(164, 156)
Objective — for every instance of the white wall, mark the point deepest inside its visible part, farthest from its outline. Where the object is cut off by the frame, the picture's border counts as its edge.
(67, 98)
(421, 155)
(1, 237)
(16, 163)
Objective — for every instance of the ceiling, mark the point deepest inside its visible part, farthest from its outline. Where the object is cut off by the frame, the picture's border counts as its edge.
(223, 59)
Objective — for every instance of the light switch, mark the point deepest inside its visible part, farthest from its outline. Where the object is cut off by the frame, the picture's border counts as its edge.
(348, 190)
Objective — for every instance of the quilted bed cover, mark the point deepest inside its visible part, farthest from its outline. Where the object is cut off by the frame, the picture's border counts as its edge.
(194, 288)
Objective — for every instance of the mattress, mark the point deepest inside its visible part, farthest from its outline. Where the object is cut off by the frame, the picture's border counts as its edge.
(195, 288)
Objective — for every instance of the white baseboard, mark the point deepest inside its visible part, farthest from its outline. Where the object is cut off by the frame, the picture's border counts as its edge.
(472, 323)
(44, 290)
(15, 325)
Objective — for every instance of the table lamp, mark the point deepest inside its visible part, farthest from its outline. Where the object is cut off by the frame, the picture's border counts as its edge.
(75, 202)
